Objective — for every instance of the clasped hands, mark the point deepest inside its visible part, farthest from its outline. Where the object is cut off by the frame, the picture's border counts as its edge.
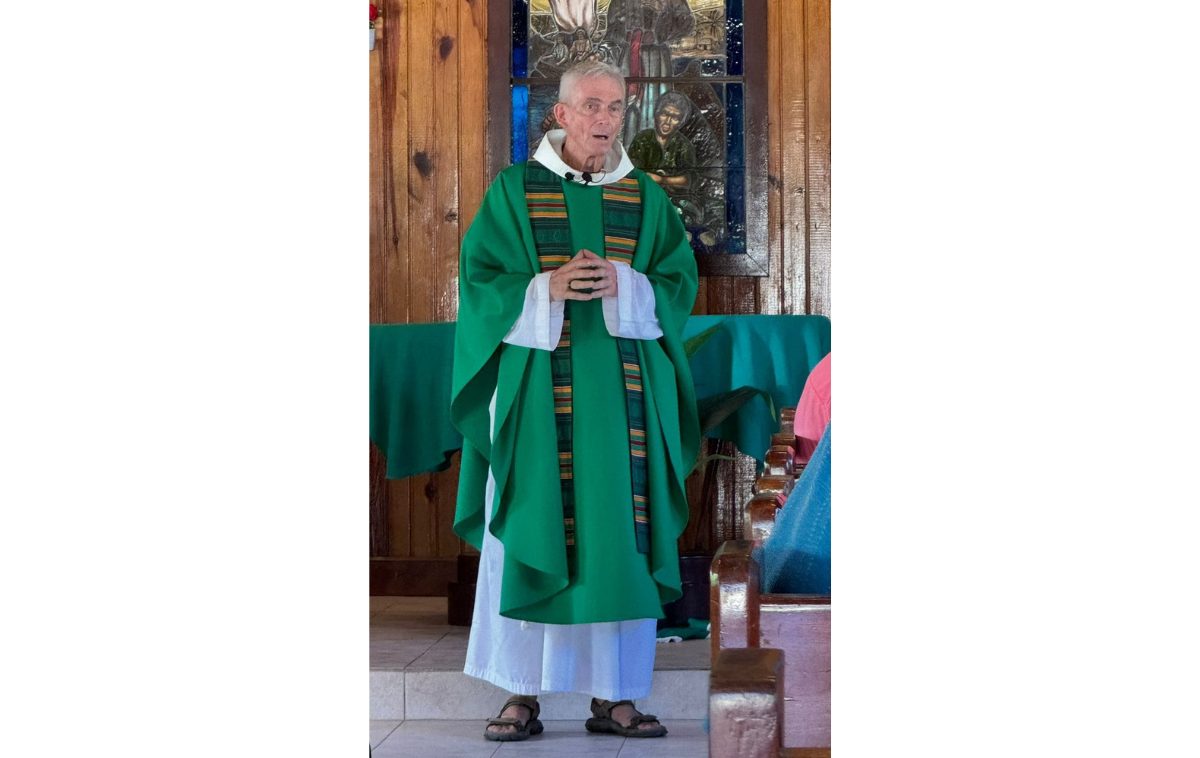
(586, 271)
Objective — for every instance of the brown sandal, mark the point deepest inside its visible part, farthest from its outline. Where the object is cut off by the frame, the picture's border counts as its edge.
(524, 730)
(605, 723)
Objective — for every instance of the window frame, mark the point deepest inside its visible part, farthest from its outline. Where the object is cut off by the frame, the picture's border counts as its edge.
(756, 260)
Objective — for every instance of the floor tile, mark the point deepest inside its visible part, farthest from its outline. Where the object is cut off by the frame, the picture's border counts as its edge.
(677, 695)
(426, 610)
(451, 695)
(379, 603)
(685, 739)
(398, 654)
(387, 695)
(380, 729)
(689, 654)
(447, 654)
(437, 739)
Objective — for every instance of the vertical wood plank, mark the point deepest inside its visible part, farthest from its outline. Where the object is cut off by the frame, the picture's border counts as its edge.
(745, 294)
(380, 232)
(393, 49)
(422, 515)
(720, 294)
(446, 169)
(381, 546)
(792, 158)
(424, 163)
(700, 307)
(398, 517)
(447, 541)
(770, 288)
(817, 83)
(472, 109)
(389, 219)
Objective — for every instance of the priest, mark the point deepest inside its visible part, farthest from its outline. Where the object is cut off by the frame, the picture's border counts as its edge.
(574, 397)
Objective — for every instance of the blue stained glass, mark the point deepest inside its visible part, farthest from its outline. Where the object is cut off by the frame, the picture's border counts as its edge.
(520, 39)
(735, 126)
(733, 37)
(735, 210)
(520, 123)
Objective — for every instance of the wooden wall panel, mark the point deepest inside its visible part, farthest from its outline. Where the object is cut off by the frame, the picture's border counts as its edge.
(770, 288)
(792, 159)
(472, 111)
(380, 197)
(433, 162)
(817, 90)
(423, 514)
(399, 517)
(381, 543)
(429, 131)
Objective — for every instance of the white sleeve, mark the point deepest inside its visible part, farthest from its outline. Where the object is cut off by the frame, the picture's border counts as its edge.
(541, 321)
(631, 313)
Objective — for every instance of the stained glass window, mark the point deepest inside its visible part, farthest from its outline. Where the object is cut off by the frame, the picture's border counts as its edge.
(686, 96)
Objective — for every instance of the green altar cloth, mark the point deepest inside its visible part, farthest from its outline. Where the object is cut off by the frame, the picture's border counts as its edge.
(411, 368)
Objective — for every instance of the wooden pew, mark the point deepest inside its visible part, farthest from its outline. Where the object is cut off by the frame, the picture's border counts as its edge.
(769, 694)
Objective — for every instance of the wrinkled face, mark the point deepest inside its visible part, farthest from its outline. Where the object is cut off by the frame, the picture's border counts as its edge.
(592, 120)
(668, 119)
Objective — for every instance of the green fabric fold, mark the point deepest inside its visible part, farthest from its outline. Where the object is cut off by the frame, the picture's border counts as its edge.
(498, 260)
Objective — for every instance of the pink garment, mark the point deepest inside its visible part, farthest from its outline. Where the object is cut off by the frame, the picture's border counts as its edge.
(813, 410)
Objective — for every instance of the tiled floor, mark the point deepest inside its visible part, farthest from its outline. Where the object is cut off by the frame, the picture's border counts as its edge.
(562, 739)
(411, 634)
(411, 641)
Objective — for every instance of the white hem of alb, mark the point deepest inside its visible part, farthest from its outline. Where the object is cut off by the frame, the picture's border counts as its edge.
(612, 660)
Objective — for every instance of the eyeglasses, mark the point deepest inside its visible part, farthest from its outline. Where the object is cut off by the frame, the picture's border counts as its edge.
(592, 108)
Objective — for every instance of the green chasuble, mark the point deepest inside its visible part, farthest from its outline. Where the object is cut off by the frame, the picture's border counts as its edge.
(610, 580)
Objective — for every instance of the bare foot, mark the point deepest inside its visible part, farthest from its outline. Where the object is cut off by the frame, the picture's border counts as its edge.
(513, 711)
(623, 714)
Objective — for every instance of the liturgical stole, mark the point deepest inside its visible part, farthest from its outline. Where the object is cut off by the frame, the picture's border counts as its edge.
(552, 237)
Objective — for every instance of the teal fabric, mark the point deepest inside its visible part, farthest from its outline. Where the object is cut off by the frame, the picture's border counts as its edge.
(410, 397)
(697, 629)
(411, 368)
(770, 353)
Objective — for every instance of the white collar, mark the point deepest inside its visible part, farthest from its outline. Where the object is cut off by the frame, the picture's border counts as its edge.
(549, 153)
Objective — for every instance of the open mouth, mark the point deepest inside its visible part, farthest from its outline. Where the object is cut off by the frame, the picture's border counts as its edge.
(602, 137)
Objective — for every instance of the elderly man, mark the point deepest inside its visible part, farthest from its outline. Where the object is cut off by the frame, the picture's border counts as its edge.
(574, 397)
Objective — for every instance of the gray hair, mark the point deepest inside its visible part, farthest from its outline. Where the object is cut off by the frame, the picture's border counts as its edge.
(678, 99)
(586, 70)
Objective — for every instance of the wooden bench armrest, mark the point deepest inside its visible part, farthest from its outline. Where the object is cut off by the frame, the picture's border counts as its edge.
(745, 704)
(760, 515)
(787, 419)
(733, 597)
(780, 461)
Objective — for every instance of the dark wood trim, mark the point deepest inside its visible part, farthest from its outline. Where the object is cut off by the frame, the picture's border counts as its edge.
(640, 79)
(756, 260)
(499, 53)
(412, 577)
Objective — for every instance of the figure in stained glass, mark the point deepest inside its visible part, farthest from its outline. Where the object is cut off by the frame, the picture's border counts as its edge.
(643, 30)
(667, 156)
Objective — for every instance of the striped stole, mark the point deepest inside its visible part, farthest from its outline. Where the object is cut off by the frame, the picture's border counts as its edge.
(552, 237)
